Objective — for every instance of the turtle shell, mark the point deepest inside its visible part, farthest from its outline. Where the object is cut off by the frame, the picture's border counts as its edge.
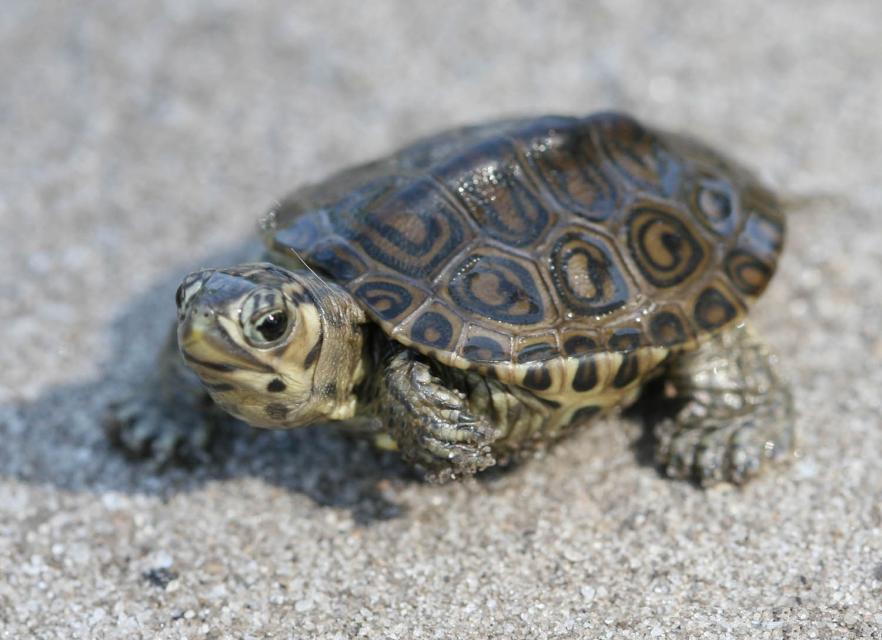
(524, 241)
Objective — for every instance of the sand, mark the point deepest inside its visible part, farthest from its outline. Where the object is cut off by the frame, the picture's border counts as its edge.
(141, 140)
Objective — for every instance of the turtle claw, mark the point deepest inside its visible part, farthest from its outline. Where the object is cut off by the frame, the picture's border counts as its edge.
(450, 461)
(710, 452)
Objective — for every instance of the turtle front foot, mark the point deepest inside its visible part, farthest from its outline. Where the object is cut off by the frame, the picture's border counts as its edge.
(144, 427)
(431, 423)
(169, 418)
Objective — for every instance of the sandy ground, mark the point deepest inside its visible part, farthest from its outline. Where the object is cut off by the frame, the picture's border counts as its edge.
(142, 139)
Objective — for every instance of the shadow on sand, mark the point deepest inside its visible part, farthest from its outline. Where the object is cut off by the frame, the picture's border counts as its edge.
(57, 439)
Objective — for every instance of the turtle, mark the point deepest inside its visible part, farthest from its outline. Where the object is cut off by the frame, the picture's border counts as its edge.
(482, 292)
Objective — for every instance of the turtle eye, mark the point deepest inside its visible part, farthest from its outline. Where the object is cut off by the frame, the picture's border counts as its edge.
(267, 328)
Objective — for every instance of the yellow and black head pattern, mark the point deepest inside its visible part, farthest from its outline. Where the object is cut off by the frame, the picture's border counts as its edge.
(273, 347)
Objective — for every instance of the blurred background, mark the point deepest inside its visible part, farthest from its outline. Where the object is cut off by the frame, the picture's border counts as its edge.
(142, 139)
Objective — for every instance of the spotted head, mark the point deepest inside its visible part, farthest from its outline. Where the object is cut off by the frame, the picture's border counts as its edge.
(273, 347)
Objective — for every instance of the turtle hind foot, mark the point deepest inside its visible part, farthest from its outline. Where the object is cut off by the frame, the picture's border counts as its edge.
(738, 412)
(709, 449)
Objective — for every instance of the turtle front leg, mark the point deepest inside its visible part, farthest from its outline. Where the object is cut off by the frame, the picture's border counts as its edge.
(430, 422)
(738, 415)
(169, 416)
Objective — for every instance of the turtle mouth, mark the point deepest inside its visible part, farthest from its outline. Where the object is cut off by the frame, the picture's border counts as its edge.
(207, 347)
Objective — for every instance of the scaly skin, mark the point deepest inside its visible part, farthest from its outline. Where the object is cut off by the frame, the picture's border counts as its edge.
(739, 412)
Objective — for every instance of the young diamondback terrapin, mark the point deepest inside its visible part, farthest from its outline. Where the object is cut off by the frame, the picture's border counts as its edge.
(481, 292)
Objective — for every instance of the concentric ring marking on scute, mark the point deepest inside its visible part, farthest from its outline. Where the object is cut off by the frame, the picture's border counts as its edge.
(713, 203)
(571, 172)
(747, 272)
(432, 329)
(413, 231)
(484, 349)
(496, 287)
(586, 275)
(636, 153)
(336, 259)
(713, 309)
(666, 329)
(662, 246)
(387, 299)
(492, 186)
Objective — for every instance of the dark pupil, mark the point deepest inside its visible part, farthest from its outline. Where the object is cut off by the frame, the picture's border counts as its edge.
(273, 325)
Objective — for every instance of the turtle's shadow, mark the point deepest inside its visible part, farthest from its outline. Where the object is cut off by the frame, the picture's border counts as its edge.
(58, 439)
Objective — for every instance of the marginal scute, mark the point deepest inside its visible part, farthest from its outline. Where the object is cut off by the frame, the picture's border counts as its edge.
(435, 326)
(747, 272)
(667, 329)
(388, 300)
(627, 341)
(714, 309)
(536, 348)
(579, 344)
(763, 236)
(483, 345)
(433, 329)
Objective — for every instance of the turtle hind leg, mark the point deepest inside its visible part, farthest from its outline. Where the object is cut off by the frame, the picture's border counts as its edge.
(738, 412)
(168, 417)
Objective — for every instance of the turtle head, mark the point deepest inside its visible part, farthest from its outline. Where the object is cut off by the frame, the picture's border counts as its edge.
(275, 348)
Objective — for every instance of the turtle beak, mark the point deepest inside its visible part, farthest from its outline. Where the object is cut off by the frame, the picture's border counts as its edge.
(194, 328)
(190, 287)
(208, 323)
(198, 340)
(203, 298)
